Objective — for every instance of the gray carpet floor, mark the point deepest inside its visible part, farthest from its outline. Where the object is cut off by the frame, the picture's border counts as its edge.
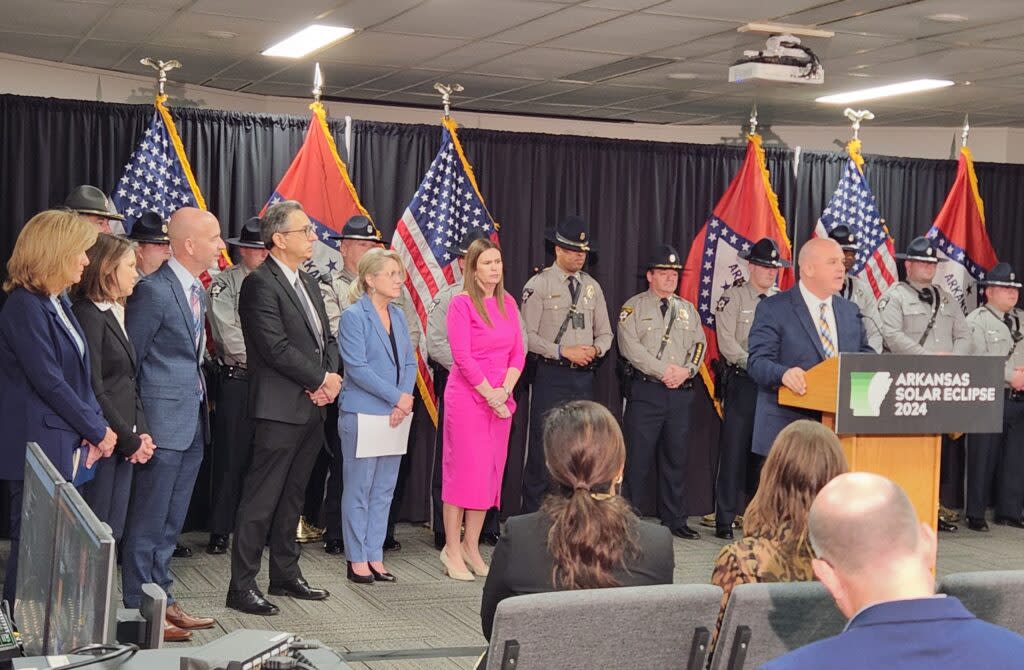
(426, 620)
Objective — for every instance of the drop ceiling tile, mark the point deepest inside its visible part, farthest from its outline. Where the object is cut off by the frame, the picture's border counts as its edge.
(910, 20)
(228, 84)
(455, 19)
(600, 95)
(654, 116)
(38, 46)
(336, 75)
(824, 14)
(100, 53)
(946, 63)
(471, 54)
(638, 34)
(538, 91)
(358, 93)
(48, 17)
(544, 63)
(286, 90)
(189, 30)
(476, 86)
(132, 23)
(623, 5)
(292, 11)
(362, 14)
(389, 49)
(539, 108)
(554, 25)
(255, 68)
(196, 66)
(742, 12)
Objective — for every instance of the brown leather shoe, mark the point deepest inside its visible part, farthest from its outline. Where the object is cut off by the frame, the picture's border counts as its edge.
(174, 634)
(182, 619)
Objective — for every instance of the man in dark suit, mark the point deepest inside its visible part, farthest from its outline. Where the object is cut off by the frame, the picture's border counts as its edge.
(876, 560)
(292, 358)
(795, 330)
(164, 318)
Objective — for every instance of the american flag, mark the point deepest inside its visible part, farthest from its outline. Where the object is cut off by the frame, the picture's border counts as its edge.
(446, 205)
(854, 205)
(158, 177)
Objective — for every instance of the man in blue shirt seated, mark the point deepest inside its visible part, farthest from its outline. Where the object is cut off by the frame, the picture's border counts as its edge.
(876, 560)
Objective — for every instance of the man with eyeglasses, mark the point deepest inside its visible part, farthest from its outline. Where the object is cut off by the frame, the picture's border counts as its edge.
(292, 358)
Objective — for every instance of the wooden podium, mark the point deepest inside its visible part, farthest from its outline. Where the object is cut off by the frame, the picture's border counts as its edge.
(912, 461)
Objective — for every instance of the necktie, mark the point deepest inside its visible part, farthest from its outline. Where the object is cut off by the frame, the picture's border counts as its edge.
(664, 307)
(197, 311)
(314, 323)
(761, 296)
(574, 288)
(825, 333)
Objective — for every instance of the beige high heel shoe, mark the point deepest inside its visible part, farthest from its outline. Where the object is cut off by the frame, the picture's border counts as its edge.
(459, 575)
(482, 570)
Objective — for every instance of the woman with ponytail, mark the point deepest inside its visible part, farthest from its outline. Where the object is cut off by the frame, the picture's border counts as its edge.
(585, 535)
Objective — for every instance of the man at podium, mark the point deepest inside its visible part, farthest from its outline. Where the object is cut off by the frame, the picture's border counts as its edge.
(795, 330)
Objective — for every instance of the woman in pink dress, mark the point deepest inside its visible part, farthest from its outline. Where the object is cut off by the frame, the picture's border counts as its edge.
(488, 354)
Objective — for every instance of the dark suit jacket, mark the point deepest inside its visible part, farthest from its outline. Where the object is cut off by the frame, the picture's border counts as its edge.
(924, 634)
(522, 564)
(45, 390)
(784, 336)
(285, 355)
(114, 369)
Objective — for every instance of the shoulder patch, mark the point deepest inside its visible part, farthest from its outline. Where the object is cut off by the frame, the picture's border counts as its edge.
(216, 288)
(624, 314)
(739, 282)
(434, 303)
(527, 292)
(722, 302)
(883, 301)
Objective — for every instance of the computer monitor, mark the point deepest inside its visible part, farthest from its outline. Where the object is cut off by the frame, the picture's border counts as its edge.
(82, 600)
(35, 557)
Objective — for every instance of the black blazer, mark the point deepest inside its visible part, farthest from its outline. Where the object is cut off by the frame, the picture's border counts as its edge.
(285, 356)
(114, 370)
(522, 564)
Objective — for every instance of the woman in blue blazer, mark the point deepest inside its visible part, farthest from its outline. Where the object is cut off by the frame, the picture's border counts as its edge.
(45, 391)
(380, 371)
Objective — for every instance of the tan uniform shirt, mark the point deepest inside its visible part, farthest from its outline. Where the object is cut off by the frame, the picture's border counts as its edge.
(438, 348)
(734, 315)
(642, 329)
(225, 326)
(858, 291)
(905, 318)
(990, 336)
(546, 300)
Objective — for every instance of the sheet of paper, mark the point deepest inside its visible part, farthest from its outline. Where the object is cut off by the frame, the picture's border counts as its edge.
(376, 437)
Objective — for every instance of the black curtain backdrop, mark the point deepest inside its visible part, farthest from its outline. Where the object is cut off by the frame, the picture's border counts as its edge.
(634, 193)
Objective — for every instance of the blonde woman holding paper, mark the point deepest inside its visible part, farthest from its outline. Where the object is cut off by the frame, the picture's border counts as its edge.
(375, 409)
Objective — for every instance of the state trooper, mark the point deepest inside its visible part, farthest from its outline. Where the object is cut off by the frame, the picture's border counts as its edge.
(568, 333)
(439, 352)
(232, 427)
(856, 289)
(996, 331)
(920, 317)
(662, 340)
(95, 207)
(734, 315)
(149, 232)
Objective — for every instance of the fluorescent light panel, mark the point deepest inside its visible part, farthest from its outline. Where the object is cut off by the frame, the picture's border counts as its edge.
(309, 39)
(901, 88)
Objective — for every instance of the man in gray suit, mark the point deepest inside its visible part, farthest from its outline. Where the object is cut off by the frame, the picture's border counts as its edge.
(164, 318)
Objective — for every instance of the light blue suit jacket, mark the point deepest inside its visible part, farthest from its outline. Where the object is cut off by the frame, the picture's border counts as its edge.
(369, 386)
(158, 319)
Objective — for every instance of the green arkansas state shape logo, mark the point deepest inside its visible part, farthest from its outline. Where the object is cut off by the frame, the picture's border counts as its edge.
(868, 391)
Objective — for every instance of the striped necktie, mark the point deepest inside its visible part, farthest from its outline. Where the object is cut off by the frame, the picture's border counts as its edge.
(825, 333)
(196, 302)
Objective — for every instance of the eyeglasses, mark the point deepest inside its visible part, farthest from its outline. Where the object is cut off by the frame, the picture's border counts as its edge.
(308, 230)
(397, 275)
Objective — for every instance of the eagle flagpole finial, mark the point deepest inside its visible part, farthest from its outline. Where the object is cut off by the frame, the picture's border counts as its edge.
(162, 67)
(446, 91)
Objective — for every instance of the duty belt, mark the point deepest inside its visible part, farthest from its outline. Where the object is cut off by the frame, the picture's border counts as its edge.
(1012, 394)
(565, 363)
(688, 384)
(235, 372)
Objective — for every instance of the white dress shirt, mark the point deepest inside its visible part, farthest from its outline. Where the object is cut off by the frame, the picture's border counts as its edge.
(117, 309)
(63, 316)
(292, 276)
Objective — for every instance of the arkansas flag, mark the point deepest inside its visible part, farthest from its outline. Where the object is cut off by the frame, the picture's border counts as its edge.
(748, 212)
(960, 236)
(317, 178)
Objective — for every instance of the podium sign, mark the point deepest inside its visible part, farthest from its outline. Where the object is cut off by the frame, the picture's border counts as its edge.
(911, 395)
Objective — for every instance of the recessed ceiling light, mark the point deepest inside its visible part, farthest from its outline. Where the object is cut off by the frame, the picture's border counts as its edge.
(221, 34)
(887, 91)
(683, 75)
(947, 18)
(308, 40)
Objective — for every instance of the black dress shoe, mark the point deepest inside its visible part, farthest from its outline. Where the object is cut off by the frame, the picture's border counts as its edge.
(686, 532)
(334, 547)
(977, 524)
(297, 588)
(218, 544)
(490, 539)
(439, 541)
(1007, 521)
(723, 533)
(359, 579)
(251, 601)
(181, 551)
(947, 527)
(391, 544)
(382, 576)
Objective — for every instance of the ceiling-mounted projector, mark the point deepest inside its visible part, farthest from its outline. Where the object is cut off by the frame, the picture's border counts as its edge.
(783, 60)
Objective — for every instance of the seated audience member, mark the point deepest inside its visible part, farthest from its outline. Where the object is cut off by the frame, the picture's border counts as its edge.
(804, 457)
(876, 560)
(585, 535)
